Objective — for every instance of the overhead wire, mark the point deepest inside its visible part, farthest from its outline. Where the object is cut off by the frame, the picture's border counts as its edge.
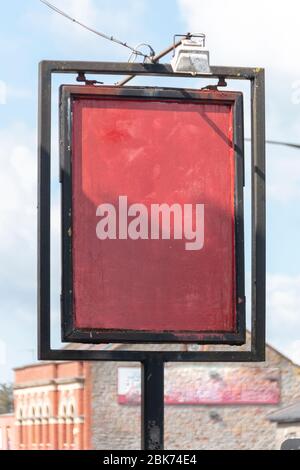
(136, 52)
(99, 33)
(278, 142)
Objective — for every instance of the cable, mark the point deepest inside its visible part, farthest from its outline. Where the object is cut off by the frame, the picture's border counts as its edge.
(277, 142)
(102, 35)
(285, 144)
(133, 55)
(155, 59)
(135, 52)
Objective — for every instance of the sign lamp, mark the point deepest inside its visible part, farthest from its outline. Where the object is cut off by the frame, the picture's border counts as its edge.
(191, 56)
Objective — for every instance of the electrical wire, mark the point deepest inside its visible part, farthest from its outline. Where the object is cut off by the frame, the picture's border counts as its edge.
(133, 55)
(98, 33)
(135, 52)
(278, 142)
(285, 144)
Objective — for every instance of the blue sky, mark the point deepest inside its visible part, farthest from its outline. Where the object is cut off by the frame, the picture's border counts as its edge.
(236, 35)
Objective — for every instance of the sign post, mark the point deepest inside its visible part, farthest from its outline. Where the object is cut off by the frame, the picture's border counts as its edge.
(152, 222)
(152, 406)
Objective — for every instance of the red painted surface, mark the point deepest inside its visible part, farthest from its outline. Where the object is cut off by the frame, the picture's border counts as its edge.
(206, 386)
(153, 153)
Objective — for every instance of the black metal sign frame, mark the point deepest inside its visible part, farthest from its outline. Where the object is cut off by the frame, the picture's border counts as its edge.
(152, 362)
(69, 331)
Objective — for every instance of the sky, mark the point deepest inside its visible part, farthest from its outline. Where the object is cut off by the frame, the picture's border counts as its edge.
(257, 33)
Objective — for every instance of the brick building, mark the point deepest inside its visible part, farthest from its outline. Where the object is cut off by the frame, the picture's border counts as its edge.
(75, 405)
(52, 406)
(288, 423)
(207, 406)
(7, 432)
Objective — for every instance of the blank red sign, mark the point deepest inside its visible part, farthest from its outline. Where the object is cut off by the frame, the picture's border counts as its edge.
(153, 185)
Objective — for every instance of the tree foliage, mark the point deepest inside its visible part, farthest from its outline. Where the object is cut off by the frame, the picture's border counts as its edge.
(6, 398)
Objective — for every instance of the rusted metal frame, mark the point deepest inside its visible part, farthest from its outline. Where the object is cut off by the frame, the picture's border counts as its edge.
(45, 352)
(47, 68)
(258, 183)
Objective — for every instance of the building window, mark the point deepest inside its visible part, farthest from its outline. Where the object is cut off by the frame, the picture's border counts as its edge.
(71, 426)
(21, 429)
(8, 438)
(64, 427)
(47, 427)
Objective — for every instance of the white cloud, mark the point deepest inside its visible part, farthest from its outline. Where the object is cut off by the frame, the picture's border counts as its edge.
(284, 299)
(17, 188)
(18, 192)
(3, 353)
(84, 9)
(284, 176)
(265, 34)
(296, 92)
(3, 92)
(283, 313)
(257, 33)
(18, 217)
(293, 351)
(18, 93)
(18, 238)
(116, 20)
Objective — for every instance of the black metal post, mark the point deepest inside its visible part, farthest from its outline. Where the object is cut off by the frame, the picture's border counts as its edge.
(152, 403)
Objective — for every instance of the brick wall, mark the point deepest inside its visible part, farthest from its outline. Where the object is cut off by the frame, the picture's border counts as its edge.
(116, 426)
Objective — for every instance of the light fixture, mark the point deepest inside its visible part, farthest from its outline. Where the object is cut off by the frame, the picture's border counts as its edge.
(191, 56)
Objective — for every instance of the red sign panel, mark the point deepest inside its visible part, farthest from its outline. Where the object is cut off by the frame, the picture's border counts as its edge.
(152, 228)
(206, 386)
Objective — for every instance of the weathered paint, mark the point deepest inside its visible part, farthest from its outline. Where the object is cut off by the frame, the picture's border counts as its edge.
(153, 152)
